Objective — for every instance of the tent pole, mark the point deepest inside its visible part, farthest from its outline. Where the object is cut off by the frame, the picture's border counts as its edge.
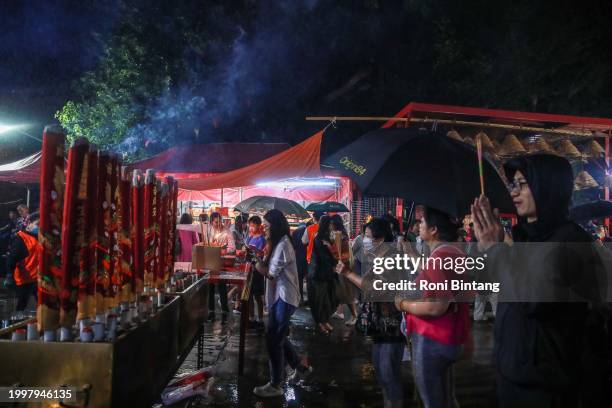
(221, 198)
(28, 198)
(607, 185)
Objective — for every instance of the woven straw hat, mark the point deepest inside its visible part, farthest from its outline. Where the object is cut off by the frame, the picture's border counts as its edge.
(486, 141)
(594, 149)
(584, 180)
(539, 145)
(453, 134)
(566, 148)
(510, 147)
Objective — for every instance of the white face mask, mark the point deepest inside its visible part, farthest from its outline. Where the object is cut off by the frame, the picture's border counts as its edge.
(368, 244)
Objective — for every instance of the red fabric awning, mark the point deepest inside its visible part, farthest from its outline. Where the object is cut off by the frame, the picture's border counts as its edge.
(26, 170)
(196, 161)
(301, 160)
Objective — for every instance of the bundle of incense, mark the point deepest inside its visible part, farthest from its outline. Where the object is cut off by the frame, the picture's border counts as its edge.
(73, 233)
(137, 228)
(124, 266)
(112, 228)
(87, 273)
(50, 226)
(149, 231)
(163, 231)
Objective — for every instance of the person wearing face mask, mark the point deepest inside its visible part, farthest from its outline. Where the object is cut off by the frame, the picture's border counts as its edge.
(379, 317)
(345, 290)
(540, 346)
(23, 260)
(437, 324)
(321, 277)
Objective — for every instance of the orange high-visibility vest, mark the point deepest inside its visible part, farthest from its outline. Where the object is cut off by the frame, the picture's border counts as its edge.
(312, 233)
(26, 270)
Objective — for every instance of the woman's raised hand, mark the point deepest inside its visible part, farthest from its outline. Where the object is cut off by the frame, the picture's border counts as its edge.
(487, 227)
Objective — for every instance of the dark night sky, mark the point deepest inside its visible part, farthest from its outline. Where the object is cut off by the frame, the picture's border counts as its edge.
(46, 44)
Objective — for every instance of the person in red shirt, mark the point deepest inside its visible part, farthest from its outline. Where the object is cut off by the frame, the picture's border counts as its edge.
(438, 324)
(311, 233)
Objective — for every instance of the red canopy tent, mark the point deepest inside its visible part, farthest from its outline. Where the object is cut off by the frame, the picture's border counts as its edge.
(301, 161)
(196, 161)
(26, 170)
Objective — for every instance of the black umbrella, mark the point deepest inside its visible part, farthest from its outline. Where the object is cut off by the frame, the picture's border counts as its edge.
(327, 206)
(591, 211)
(261, 204)
(421, 166)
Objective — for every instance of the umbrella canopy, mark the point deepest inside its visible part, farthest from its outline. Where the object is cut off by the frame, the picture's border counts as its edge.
(327, 206)
(261, 204)
(591, 211)
(421, 166)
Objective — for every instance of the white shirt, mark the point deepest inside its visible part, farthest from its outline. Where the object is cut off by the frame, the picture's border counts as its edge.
(283, 271)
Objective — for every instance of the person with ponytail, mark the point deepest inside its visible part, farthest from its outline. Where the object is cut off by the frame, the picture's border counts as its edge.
(283, 297)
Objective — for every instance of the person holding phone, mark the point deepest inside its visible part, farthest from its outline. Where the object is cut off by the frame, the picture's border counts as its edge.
(283, 297)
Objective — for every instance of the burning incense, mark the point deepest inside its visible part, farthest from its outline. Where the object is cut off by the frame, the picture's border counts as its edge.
(480, 167)
(50, 226)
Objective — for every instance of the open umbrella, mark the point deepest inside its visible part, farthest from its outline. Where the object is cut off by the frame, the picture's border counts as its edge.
(327, 206)
(591, 211)
(420, 166)
(261, 204)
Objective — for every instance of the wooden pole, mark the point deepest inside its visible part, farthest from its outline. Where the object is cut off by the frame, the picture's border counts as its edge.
(451, 122)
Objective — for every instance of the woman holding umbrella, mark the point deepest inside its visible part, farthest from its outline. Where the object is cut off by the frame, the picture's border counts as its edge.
(383, 320)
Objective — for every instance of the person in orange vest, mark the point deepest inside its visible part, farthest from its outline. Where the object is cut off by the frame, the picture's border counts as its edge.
(311, 232)
(23, 259)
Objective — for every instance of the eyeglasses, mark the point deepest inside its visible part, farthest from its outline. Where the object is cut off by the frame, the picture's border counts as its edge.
(516, 184)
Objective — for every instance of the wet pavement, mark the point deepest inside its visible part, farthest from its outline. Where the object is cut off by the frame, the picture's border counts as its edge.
(343, 374)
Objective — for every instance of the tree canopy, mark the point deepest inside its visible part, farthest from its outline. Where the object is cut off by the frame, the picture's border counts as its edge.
(191, 71)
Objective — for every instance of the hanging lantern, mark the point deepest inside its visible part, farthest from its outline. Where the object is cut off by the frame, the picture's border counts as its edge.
(510, 147)
(594, 149)
(584, 180)
(567, 149)
(453, 134)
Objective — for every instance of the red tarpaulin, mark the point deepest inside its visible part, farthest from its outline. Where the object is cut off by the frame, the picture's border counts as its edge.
(301, 160)
(207, 159)
(232, 196)
(26, 170)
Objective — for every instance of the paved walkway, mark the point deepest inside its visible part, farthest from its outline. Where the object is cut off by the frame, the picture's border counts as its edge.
(343, 376)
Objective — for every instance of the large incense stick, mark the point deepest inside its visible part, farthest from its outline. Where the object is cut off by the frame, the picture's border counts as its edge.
(74, 242)
(137, 229)
(50, 225)
(87, 274)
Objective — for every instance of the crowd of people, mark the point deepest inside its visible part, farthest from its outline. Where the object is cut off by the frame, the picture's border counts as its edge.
(546, 354)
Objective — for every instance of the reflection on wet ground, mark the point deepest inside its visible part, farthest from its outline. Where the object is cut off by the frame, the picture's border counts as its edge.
(343, 374)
